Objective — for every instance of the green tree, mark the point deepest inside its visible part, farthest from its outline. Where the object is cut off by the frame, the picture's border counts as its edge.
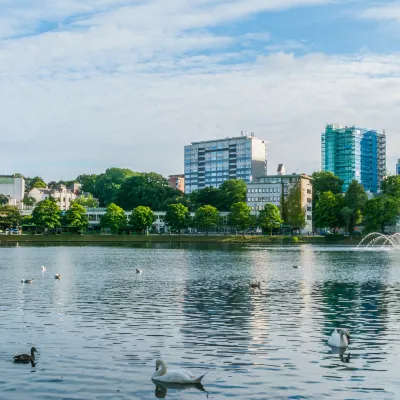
(3, 199)
(28, 201)
(76, 216)
(109, 184)
(240, 216)
(142, 218)
(87, 201)
(88, 183)
(148, 189)
(10, 217)
(47, 214)
(36, 182)
(203, 197)
(327, 213)
(177, 217)
(114, 218)
(206, 218)
(230, 192)
(293, 212)
(391, 186)
(354, 202)
(270, 217)
(380, 212)
(325, 181)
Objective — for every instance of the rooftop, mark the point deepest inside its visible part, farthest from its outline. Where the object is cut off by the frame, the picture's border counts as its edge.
(228, 138)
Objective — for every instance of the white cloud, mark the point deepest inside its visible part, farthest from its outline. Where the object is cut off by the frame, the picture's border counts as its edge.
(128, 83)
(387, 12)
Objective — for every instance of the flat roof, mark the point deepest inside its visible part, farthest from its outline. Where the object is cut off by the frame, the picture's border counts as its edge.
(228, 138)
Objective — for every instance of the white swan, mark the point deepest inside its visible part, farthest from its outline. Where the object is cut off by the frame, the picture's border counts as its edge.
(173, 376)
(43, 268)
(339, 338)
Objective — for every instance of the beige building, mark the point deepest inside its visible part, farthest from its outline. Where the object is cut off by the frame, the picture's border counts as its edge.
(271, 188)
(61, 194)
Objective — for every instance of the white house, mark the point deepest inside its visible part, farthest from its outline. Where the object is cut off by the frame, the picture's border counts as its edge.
(61, 194)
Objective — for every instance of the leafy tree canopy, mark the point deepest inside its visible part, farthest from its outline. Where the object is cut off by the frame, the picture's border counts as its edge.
(203, 197)
(76, 216)
(114, 218)
(87, 201)
(230, 192)
(36, 182)
(325, 181)
(142, 218)
(380, 212)
(327, 213)
(3, 199)
(10, 217)
(240, 216)
(47, 214)
(270, 217)
(88, 183)
(177, 217)
(391, 186)
(148, 189)
(293, 212)
(206, 217)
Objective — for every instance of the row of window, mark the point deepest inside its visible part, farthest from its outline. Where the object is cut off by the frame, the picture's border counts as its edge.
(270, 199)
(264, 190)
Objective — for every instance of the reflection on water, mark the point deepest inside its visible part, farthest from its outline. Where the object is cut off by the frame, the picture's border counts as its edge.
(101, 328)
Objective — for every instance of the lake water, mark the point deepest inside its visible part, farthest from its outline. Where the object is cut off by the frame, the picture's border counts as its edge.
(101, 327)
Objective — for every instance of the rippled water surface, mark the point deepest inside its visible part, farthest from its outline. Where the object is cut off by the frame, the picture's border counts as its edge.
(101, 327)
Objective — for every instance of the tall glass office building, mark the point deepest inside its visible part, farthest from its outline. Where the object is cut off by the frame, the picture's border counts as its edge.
(210, 163)
(354, 153)
(398, 167)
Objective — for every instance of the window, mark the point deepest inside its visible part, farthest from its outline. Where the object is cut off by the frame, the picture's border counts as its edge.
(248, 199)
(309, 191)
(308, 217)
(309, 208)
(309, 200)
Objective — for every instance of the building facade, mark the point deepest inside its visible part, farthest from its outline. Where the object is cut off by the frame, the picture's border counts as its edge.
(398, 167)
(212, 162)
(354, 153)
(274, 189)
(61, 194)
(177, 182)
(13, 188)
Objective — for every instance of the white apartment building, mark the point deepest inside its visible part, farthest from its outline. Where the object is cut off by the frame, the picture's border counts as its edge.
(13, 188)
(61, 194)
(212, 162)
(272, 189)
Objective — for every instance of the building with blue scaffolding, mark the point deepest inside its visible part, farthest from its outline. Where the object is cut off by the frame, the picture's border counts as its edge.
(355, 153)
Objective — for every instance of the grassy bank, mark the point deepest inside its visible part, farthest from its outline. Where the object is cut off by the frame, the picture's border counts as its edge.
(125, 239)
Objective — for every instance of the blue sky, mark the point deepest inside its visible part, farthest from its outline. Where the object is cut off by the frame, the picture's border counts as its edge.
(88, 85)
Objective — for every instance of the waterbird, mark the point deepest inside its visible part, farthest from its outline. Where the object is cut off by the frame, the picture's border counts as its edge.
(27, 280)
(58, 276)
(138, 271)
(340, 338)
(25, 358)
(179, 376)
(255, 285)
(296, 266)
(43, 268)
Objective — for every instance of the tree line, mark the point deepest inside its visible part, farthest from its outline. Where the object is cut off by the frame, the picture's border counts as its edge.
(335, 210)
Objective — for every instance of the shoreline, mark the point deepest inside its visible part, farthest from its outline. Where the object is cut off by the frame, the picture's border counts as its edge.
(126, 239)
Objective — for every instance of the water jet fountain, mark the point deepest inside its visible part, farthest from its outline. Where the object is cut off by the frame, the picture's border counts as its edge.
(376, 239)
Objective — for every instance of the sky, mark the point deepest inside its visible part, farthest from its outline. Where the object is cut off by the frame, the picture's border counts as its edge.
(87, 85)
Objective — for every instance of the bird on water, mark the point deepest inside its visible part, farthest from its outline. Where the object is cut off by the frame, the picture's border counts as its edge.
(25, 358)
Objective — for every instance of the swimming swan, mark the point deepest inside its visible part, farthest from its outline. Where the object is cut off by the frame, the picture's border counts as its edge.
(339, 338)
(25, 358)
(173, 376)
(43, 268)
